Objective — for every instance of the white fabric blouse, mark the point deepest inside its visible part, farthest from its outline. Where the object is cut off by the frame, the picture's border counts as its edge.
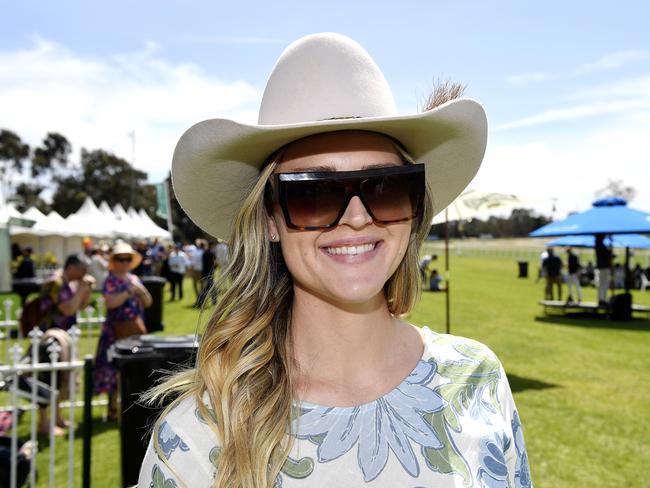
(451, 423)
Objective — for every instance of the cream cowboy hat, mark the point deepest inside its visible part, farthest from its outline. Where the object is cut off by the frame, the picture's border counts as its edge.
(123, 248)
(321, 83)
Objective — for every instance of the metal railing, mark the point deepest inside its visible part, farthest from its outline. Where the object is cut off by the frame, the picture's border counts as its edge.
(24, 393)
(90, 320)
(29, 394)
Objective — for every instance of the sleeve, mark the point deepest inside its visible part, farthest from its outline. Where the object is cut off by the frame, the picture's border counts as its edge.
(155, 473)
(183, 454)
(515, 455)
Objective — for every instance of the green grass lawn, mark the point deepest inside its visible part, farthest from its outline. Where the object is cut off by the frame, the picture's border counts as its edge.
(579, 382)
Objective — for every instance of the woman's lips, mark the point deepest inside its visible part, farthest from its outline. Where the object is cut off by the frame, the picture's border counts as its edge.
(352, 254)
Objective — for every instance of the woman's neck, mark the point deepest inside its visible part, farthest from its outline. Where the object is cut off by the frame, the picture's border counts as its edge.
(345, 353)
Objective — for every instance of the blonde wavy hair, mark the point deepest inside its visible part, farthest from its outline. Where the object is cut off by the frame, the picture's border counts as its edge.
(244, 361)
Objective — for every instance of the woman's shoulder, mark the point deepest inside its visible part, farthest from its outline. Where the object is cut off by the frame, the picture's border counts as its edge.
(186, 421)
(447, 347)
(183, 445)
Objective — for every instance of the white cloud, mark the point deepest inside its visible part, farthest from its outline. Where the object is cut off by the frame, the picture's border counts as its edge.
(232, 40)
(570, 168)
(577, 112)
(96, 103)
(524, 78)
(613, 61)
(608, 62)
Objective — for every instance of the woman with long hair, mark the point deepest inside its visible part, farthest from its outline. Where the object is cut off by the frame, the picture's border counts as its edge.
(306, 375)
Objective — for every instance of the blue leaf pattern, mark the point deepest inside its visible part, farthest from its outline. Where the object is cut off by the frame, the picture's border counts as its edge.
(386, 423)
(522, 468)
(493, 472)
(169, 441)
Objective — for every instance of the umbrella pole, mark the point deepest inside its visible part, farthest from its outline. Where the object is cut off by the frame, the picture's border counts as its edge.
(446, 227)
(627, 270)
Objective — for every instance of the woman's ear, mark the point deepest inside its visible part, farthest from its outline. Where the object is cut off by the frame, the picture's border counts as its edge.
(274, 235)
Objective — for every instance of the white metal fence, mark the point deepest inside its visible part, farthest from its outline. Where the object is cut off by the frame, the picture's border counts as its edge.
(23, 392)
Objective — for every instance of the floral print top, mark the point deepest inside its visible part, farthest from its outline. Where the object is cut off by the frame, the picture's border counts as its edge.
(451, 423)
(55, 291)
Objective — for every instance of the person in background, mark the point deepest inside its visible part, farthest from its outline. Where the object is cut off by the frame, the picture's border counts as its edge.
(619, 276)
(603, 265)
(98, 267)
(196, 268)
(126, 298)
(66, 292)
(26, 267)
(552, 267)
(63, 294)
(435, 281)
(222, 254)
(144, 268)
(424, 265)
(208, 264)
(573, 280)
(178, 264)
(156, 252)
(589, 274)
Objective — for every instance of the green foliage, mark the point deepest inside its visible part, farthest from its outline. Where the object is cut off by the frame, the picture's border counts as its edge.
(103, 176)
(27, 195)
(52, 155)
(13, 152)
(520, 223)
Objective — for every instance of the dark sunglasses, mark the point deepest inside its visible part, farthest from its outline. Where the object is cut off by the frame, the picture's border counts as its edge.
(125, 259)
(317, 200)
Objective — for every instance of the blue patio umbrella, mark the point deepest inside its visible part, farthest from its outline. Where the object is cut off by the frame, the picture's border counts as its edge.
(609, 215)
(633, 241)
(606, 216)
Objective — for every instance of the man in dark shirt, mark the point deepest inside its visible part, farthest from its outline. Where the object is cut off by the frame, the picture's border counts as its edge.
(208, 261)
(553, 267)
(26, 267)
(603, 264)
(573, 263)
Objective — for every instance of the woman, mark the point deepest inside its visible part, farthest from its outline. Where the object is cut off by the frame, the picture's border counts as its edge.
(126, 298)
(305, 375)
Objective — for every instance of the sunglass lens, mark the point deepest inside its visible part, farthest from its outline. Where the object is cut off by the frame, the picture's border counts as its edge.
(314, 203)
(392, 198)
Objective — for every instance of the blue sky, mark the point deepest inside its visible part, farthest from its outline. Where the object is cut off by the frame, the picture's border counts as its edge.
(566, 85)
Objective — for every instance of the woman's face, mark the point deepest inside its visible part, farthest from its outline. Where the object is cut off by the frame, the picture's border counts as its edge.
(347, 264)
(122, 263)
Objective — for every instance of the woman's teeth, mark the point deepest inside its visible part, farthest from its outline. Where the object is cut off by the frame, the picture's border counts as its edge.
(351, 249)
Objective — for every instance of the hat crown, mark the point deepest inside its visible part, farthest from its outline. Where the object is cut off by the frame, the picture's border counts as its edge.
(325, 76)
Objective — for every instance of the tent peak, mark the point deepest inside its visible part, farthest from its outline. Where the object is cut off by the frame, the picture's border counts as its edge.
(609, 202)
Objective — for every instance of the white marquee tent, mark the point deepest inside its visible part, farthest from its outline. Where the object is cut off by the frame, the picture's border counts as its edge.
(61, 237)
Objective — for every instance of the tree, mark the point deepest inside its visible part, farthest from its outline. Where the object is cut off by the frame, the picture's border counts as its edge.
(103, 176)
(13, 152)
(28, 195)
(52, 155)
(616, 188)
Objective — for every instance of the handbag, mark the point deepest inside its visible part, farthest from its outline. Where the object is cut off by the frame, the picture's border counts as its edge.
(127, 328)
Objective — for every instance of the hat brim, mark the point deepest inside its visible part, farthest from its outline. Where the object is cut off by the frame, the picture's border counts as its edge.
(217, 161)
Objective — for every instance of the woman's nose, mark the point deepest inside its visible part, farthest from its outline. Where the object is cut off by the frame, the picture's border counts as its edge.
(356, 215)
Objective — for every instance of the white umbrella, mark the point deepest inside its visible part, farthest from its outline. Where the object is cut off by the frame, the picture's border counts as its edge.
(468, 205)
(473, 202)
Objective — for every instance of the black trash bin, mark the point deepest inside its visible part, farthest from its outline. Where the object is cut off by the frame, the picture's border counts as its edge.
(140, 362)
(154, 314)
(621, 307)
(523, 269)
